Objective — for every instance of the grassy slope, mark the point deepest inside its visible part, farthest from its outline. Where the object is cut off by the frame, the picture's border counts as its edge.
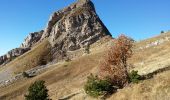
(157, 88)
(69, 77)
(152, 58)
(146, 61)
(30, 59)
(61, 79)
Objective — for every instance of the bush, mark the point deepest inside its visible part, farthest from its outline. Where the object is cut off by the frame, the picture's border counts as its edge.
(96, 87)
(25, 75)
(134, 77)
(114, 65)
(43, 62)
(37, 91)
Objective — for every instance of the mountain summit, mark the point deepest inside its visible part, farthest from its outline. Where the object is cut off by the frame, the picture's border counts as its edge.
(68, 29)
(77, 24)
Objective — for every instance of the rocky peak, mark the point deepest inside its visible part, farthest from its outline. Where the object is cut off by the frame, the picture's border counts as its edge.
(81, 3)
(84, 1)
(31, 39)
(61, 14)
(69, 29)
(79, 23)
(74, 27)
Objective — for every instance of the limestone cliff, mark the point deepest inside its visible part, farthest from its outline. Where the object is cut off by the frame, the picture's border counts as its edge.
(12, 55)
(31, 39)
(70, 29)
(74, 27)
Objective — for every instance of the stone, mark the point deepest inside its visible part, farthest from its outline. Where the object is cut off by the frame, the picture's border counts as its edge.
(12, 54)
(74, 26)
(32, 39)
(68, 29)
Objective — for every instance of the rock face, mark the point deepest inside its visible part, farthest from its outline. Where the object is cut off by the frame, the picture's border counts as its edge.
(31, 39)
(74, 27)
(12, 54)
(69, 29)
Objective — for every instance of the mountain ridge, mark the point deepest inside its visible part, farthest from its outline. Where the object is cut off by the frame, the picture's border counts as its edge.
(68, 29)
(68, 38)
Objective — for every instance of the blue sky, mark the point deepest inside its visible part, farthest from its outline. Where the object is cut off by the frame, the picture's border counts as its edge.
(139, 19)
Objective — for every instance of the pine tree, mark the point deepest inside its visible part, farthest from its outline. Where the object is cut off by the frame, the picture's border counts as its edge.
(37, 91)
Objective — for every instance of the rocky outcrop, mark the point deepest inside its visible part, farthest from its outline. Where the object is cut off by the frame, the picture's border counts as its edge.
(31, 39)
(155, 43)
(12, 54)
(69, 29)
(3, 59)
(74, 27)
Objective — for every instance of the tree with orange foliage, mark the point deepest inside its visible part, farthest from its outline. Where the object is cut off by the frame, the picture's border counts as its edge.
(114, 66)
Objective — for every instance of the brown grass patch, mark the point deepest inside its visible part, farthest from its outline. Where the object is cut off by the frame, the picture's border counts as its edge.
(37, 56)
(60, 79)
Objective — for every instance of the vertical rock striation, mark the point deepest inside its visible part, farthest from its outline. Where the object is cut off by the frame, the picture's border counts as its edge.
(12, 55)
(31, 39)
(74, 27)
(69, 29)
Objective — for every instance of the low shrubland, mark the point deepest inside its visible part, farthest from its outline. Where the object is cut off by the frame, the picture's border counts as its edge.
(134, 77)
(112, 70)
(96, 87)
(37, 91)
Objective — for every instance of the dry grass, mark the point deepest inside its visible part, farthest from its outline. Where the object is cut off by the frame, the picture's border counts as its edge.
(68, 78)
(151, 50)
(32, 58)
(152, 58)
(59, 79)
(147, 41)
(157, 88)
(62, 79)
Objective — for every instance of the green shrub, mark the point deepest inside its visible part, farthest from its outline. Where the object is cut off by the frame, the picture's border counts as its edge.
(134, 77)
(37, 91)
(25, 75)
(96, 87)
(43, 62)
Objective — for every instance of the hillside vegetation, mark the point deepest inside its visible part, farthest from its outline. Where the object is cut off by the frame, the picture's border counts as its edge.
(151, 54)
(39, 55)
(66, 79)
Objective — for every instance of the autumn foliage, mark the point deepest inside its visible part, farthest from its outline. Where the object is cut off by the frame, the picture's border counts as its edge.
(114, 65)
